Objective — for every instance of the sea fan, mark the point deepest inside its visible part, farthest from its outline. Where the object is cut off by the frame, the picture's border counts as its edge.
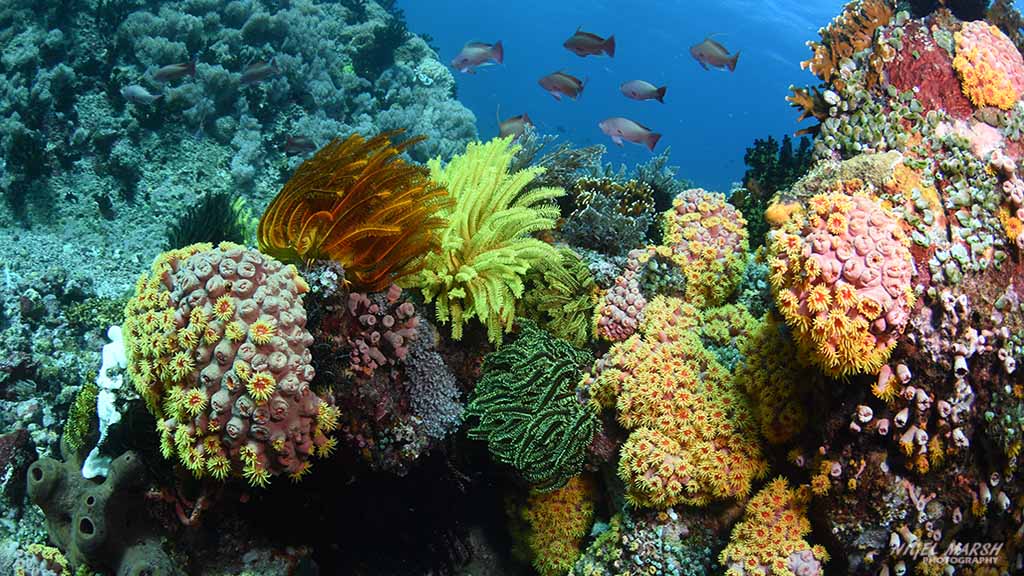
(356, 202)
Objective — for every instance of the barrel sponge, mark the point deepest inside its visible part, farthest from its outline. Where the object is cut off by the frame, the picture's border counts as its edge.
(708, 238)
(770, 538)
(990, 67)
(217, 345)
(101, 526)
(692, 435)
(841, 275)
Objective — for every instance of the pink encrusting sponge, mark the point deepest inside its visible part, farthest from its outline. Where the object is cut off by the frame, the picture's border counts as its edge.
(990, 67)
(841, 277)
(218, 348)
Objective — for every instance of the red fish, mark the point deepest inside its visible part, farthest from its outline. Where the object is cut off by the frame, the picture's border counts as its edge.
(259, 71)
(640, 90)
(711, 53)
(173, 72)
(620, 129)
(560, 84)
(586, 44)
(476, 54)
(515, 125)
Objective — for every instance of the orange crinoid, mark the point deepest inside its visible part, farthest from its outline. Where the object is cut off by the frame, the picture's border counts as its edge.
(357, 203)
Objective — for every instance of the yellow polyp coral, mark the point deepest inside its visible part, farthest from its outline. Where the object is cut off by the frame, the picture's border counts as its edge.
(217, 346)
(708, 241)
(776, 381)
(488, 245)
(692, 436)
(358, 203)
(841, 276)
(558, 521)
(770, 537)
(991, 69)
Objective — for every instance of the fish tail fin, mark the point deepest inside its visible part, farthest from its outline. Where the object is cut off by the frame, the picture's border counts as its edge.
(652, 140)
(732, 61)
(498, 51)
(661, 94)
(191, 69)
(609, 46)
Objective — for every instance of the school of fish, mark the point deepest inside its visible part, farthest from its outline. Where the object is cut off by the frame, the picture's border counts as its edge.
(560, 84)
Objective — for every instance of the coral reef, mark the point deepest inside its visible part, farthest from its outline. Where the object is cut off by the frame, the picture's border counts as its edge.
(771, 167)
(217, 347)
(397, 398)
(770, 538)
(866, 356)
(649, 542)
(849, 33)
(486, 248)
(525, 407)
(609, 217)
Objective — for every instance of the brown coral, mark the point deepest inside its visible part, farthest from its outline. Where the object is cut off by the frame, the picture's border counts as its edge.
(811, 102)
(356, 202)
(850, 32)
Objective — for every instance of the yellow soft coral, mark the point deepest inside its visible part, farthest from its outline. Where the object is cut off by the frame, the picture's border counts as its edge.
(558, 523)
(708, 241)
(841, 275)
(487, 247)
(770, 538)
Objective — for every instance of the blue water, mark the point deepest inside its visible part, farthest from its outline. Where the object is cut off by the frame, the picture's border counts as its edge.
(709, 117)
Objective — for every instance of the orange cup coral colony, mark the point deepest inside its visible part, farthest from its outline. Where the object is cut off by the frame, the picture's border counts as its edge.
(841, 277)
(217, 346)
(357, 203)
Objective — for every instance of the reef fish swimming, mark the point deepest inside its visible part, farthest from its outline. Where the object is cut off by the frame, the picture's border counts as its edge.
(560, 84)
(586, 44)
(259, 71)
(173, 72)
(619, 129)
(475, 54)
(139, 95)
(515, 125)
(711, 53)
(641, 90)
